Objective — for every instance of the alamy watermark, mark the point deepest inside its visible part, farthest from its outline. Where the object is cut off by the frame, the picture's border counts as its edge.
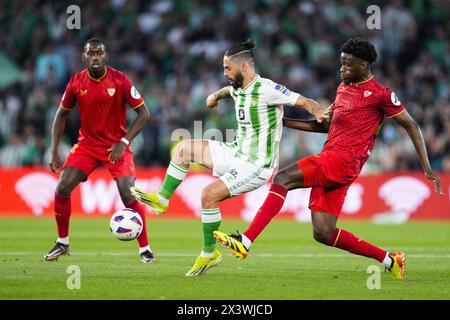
(199, 134)
(74, 280)
(73, 21)
(374, 20)
(192, 151)
(374, 280)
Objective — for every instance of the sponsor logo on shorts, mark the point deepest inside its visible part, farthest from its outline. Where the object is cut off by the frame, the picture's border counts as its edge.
(246, 181)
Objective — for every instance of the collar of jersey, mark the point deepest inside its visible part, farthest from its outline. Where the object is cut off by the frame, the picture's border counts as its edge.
(99, 79)
(357, 84)
(250, 84)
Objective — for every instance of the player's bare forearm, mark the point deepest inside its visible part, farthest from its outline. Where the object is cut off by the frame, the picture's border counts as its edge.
(139, 122)
(213, 99)
(222, 93)
(307, 125)
(59, 122)
(116, 150)
(309, 105)
(313, 107)
(411, 126)
(414, 132)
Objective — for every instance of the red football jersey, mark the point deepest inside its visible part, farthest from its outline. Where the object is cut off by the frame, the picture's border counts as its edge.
(359, 110)
(102, 104)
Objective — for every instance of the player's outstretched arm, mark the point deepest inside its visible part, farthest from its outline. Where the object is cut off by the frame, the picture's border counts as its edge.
(414, 132)
(213, 99)
(313, 107)
(311, 125)
(307, 125)
(59, 122)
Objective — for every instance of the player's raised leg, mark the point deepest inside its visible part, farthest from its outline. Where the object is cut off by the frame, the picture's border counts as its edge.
(69, 179)
(325, 231)
(124, 184)
(211, 219)
(289, 178)
(187, 151)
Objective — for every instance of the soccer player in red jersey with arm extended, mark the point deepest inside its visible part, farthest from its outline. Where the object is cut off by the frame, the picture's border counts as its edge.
(102, 94)
(357, 114)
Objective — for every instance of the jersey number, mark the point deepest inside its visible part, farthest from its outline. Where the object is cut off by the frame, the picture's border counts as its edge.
(241, 114)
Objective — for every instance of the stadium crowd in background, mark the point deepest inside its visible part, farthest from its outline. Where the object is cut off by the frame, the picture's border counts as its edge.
(172, 49)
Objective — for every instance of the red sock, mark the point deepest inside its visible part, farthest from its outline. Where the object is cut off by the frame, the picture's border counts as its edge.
(271, 206)
(345, 240)
(62, 214)
(139, 208)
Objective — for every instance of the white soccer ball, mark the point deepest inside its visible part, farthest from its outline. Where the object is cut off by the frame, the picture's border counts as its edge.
(126, 224)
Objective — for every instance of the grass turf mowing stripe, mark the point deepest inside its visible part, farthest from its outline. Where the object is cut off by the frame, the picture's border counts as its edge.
(261, 255)
(285, 263)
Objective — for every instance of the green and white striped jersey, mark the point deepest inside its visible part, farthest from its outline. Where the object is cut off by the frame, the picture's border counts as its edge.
(259, 114)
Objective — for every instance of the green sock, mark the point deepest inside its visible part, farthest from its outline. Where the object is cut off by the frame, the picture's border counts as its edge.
(211, 220)
(174, 176)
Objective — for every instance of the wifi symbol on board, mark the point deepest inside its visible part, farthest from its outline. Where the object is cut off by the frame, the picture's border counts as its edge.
(404, 194)
(37, 190)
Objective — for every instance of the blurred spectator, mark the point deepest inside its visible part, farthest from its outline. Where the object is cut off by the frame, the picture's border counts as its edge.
(173, 51)
(51, 67)
(13, 153)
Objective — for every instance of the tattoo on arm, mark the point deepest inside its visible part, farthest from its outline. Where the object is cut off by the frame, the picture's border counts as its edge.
(223, 93)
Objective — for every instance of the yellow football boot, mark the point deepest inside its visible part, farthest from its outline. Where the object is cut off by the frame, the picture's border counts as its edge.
(202, 264)
(233, 241)
(150, 199)
(398, 267)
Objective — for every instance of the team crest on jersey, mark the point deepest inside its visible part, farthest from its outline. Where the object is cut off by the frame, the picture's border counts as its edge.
(367, 93)
(111, 91)
(394, 99)
(254, 101)
(83, 92)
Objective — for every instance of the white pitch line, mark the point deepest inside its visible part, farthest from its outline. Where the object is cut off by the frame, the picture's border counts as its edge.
(262, 255)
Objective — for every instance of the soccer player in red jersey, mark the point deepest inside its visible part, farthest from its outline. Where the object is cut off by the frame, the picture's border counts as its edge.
(356, 116)
(102, 94)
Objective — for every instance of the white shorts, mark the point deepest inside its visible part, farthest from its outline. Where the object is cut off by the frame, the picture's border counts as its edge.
(239, 176)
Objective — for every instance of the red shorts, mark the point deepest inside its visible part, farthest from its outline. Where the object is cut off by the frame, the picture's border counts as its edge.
(330, 174)
(87, 159)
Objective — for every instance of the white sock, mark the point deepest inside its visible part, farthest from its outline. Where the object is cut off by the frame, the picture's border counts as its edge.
(246, 242)
(163, 200)
(206, 254)
(387, 261)
(64, 240)
(143, 249)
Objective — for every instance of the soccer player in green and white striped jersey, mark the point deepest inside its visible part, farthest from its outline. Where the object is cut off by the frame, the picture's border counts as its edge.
(242, 166)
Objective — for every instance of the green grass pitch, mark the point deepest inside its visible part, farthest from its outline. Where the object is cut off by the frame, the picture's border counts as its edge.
(285, 263)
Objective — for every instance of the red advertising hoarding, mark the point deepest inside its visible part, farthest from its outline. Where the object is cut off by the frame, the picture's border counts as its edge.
(389, 198)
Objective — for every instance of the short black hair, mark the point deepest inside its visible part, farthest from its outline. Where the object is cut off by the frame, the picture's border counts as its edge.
(93, 40)
(360, 48)
(242, 50)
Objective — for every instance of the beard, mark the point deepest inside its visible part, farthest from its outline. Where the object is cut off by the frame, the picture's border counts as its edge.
(238, 81)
